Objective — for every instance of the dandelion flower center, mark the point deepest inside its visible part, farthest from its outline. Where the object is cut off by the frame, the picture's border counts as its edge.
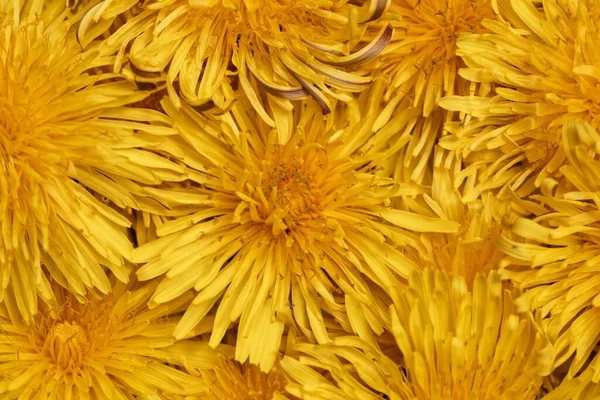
(78, 335)
(451, 19)
(66, 344)
(442, 22)
(106, 347)
(290, 187)
(421, 60)
(14, 121)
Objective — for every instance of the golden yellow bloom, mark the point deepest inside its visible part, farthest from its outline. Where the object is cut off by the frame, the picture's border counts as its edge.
(555, 256)
(283, 233)
(64, 130)
(457, 344)
(544, 62)
(274, 50)
(421, 64)
(421, 59)
(110, 347)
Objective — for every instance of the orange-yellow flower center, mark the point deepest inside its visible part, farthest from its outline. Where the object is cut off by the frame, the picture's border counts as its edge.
(442, 21)
(462, 17)
(71, 335)
(66, 344)
(16, 126)
(289, 189)
(289, 186)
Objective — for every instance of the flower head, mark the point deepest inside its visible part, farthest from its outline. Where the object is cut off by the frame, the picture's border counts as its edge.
(283, 234)
(421, 59)
(110, 347)
(66, 144)
(543, 64)
(555, 254)
(457, 344)
(287, 49)
(421, 64)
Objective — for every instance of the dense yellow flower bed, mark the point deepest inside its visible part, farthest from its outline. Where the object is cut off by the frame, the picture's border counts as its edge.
(309, 199)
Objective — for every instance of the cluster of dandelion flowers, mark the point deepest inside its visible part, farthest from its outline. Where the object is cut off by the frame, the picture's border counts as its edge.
(109, 347)
(307, 221)
(456, 343)
(544, 66)
(65, 132)
(287, 49)
(556, 253)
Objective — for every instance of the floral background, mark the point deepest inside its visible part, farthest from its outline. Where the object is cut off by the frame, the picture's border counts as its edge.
(310, 199)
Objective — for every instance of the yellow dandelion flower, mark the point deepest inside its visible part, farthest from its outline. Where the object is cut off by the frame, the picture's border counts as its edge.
(110, 347)
(421, 59)
(421, 64)
(457, 344)
(543, 58)
(283, 234)
(286, 49)
(64, 130)
(555, 255)
(474, 249)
